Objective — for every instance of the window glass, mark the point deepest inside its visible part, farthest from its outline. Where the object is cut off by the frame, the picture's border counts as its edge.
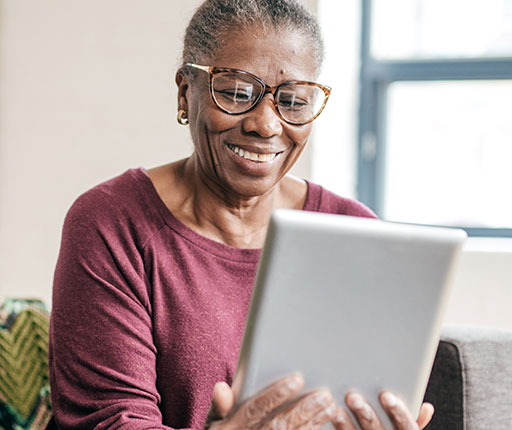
(449, 153)
(412, 29)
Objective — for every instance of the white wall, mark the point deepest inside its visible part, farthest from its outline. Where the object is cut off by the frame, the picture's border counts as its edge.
(86, 91)
(482, 291)
(334, 161)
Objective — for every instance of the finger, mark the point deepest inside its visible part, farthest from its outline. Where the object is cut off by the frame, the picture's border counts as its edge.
(257, 408)
(363, 412)
(397, 412)
(223, 399)
(315, 411)
(426, 414)
(342, 420)
(311, 410)
(222, 402)
(325, 416)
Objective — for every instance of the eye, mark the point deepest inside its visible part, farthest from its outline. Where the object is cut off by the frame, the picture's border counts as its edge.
(235, 91)
(234, 95)
(290, 100)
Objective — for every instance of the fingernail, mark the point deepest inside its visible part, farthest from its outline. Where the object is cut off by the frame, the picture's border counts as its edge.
(323, 398)
(357, 403)
(389, 399)
(294, 383)
(331, 411)
(340, 418)
(221, 386)
(327, 414)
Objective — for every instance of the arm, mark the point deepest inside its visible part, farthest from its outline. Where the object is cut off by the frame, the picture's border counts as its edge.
(102, 356)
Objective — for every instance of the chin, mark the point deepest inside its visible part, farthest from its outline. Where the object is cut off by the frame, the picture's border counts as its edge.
(250, 188)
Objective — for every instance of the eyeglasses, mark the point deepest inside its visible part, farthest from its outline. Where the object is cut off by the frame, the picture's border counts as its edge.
(236, 92)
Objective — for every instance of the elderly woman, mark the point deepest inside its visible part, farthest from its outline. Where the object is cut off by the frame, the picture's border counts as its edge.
(156, 267)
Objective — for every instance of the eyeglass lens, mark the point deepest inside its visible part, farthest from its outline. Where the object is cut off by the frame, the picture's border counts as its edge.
(237, 93)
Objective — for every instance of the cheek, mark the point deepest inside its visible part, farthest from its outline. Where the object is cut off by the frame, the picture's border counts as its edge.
(300, 135)
(207, 126)
(208, 118)
(218, 122)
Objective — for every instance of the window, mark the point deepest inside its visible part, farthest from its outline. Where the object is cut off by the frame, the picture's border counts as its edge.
(435, 135)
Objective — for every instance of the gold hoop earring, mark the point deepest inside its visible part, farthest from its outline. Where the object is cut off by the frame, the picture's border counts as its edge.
(182, 117)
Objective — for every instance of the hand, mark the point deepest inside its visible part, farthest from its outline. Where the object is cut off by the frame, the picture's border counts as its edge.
(276, 407)
(392, 405)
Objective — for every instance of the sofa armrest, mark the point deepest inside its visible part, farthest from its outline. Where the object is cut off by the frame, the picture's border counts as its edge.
(471, 380)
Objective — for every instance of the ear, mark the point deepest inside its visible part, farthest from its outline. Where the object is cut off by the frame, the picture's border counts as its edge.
(182, 82)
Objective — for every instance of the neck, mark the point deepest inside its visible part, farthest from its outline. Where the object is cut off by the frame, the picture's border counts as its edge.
(239, 221)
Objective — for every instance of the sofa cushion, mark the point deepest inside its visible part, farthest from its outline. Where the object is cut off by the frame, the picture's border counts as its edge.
(24, 388)
(471, 380)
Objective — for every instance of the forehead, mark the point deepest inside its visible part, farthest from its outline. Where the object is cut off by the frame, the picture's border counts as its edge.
(273, 55)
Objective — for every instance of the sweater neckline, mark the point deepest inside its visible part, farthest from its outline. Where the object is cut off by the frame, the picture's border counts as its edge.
(247, 255)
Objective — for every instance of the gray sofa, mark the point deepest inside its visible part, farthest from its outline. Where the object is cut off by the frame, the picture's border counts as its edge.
(471, 380)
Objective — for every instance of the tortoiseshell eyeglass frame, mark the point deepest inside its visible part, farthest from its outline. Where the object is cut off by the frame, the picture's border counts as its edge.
(211, 70)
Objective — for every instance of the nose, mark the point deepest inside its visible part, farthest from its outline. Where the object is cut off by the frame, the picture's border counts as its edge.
(263, 119)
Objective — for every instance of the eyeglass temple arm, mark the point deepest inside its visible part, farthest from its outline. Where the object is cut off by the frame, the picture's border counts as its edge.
(197, 66)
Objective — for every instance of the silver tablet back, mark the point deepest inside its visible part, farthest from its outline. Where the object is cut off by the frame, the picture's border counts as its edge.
(351, 303)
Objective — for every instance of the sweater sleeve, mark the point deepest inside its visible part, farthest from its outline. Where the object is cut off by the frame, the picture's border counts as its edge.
(102, 355)
(320, 199)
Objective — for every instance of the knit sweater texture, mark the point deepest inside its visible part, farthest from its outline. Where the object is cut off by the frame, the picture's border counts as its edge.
(147, 315)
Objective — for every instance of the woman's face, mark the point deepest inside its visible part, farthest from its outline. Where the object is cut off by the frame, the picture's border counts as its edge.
(218, 137)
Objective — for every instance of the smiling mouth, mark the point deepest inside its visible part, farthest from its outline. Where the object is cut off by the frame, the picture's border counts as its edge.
(253, 156)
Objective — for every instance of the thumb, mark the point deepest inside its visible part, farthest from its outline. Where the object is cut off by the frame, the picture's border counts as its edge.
(222, 402)
(426, 413)
(223, 399)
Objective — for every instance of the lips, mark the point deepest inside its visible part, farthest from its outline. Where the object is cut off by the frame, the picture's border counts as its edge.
(253, 156)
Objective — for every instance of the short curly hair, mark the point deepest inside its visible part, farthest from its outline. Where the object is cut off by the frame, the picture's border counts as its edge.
(215, 20)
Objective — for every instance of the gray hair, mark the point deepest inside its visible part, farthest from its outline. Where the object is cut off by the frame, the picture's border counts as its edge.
(214, 21)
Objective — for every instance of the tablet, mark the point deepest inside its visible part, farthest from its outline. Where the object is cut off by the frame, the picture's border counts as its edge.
(351, 303)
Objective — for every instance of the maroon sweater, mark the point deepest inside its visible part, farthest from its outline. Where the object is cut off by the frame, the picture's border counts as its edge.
(147, 315)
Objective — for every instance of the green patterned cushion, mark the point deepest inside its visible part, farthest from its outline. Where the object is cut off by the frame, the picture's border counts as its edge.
(24, 388)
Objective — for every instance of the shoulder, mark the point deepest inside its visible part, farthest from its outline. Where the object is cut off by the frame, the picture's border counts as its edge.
(320, 199)
(120, 205)
(107, 200)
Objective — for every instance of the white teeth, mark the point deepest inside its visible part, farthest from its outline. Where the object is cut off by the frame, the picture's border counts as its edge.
(266, 157)
(262, 158)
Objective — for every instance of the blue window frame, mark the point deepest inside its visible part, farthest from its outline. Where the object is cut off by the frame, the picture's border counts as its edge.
(376, 77)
